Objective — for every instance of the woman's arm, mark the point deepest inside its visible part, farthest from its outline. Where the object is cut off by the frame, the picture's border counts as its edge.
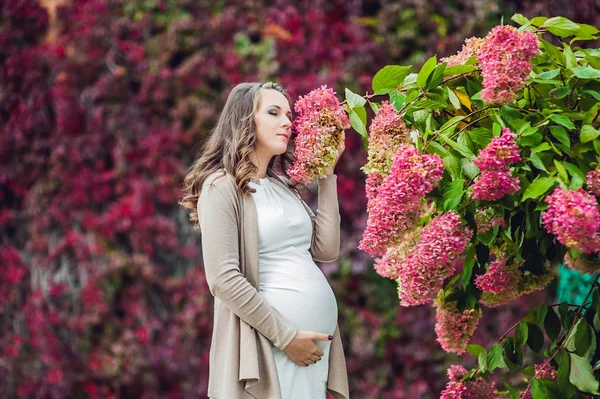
(325, 246)
(217, 214)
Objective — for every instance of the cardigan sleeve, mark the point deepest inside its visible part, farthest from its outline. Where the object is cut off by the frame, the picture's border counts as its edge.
(218, 218)
(325, 246)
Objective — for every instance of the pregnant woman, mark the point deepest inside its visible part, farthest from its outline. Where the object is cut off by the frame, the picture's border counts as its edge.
(275, 329)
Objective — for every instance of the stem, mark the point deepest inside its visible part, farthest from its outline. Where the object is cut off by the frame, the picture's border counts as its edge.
(562, 344)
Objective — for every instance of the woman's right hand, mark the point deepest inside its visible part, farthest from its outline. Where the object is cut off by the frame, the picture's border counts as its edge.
(303, 351)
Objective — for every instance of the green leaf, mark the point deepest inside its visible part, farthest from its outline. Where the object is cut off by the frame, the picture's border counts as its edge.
(569, 56)
(494, 358)
(452, 164)
(592, 93)
(538, 21)
(552, 324)
(375, 106)
(465, 151)
(453, 98)
(541, 148)
(559, 92)
(458, 69)
(469, 169)
(514, 394)
(563, 120)
(535, 340)
(482, 359)
(354, 100)
(521, 334)
(357, 122)
(520, 19)
(468, 266)
(537, 162)
(453, 193)
(538, 188)
(436, 77)
(389, 77)
(574, 170)
(538, 390)
(562, 376)
(561, 26)
(397, 98)
(562, 172)
(588, 133)
(561, 135)
(582, 375)
(474, 350)
(586, 72)
(583, 338)
(548, 74)
(426, 70)
(480, 136)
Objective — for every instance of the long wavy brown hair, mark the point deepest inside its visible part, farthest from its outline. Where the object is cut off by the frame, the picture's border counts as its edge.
(231, 143)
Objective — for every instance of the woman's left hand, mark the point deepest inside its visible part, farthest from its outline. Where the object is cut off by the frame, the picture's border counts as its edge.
(341, 147)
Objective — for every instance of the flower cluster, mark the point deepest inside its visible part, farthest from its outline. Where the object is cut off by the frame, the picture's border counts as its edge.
(592, 181)
(528, 283)
(386, 133)
(395, 208)
(471, 48)
(500, 278)
(505, 61)
(423, 267)
(585, 263)
(542, 372)
(574, 218)
(494, 160)
(453, 327)
(320, 127)
(469, 389)
(486, 219)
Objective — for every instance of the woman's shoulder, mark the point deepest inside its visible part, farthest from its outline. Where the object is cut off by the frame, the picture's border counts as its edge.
(221, 179)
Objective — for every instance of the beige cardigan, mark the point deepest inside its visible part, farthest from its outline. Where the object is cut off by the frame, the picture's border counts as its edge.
(245, 326)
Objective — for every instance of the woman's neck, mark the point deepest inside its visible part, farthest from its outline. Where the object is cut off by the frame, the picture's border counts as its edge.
(262, 163)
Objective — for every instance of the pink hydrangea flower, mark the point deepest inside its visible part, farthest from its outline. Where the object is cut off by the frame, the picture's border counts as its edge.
(499, 278)
(574, 218)
(386, 133)
(500, 152)
(528, 283)
(593, 182)
(486, 220)
(496, 180)
(505, 60)
(471, 48)
(395, 207)
(477, 388)
(320, 126)
(492, 185)
(423, 267)
(454, 328)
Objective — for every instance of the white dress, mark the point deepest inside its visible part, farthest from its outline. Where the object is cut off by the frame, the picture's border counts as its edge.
(293, 284)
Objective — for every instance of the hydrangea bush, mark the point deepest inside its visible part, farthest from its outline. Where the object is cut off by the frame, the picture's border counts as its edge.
(480, 180)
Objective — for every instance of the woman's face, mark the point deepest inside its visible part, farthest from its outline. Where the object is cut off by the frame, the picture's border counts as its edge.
(273, 122)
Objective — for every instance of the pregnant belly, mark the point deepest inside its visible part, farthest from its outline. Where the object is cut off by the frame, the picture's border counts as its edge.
(300, 292)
